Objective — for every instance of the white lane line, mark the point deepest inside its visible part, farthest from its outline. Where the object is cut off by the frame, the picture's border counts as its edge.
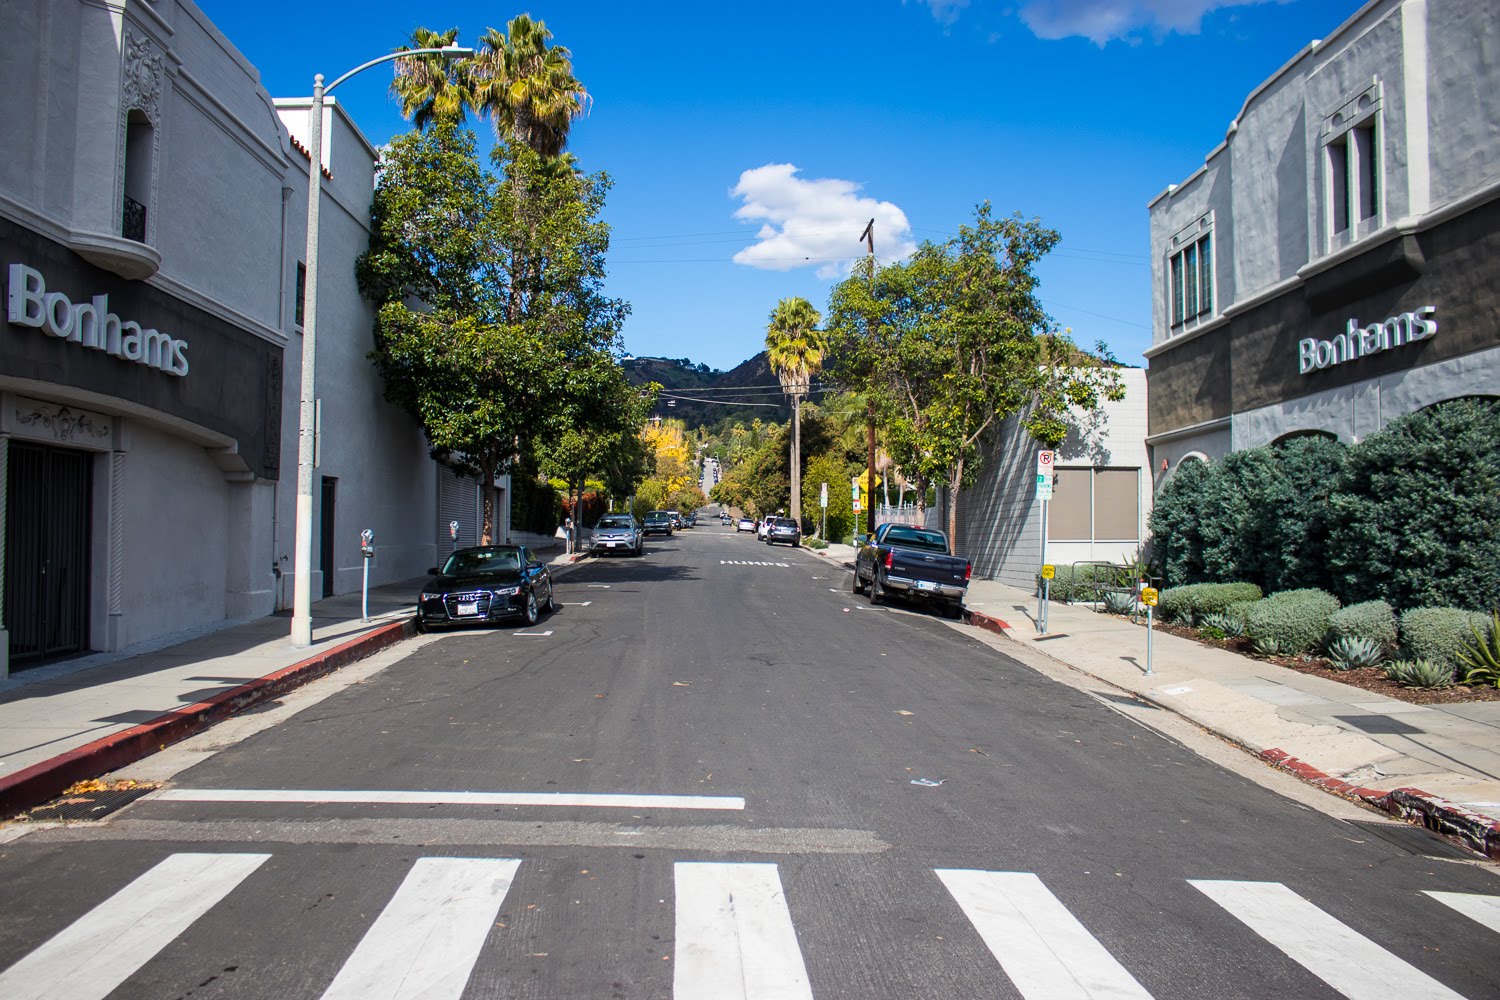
(598, 586)
(576, 604)
(1041, 946)
(425, 942)
(735, 939)
(1485, 909)
(92, 956)
(1331, 950)
(539, 635)
(341, 796)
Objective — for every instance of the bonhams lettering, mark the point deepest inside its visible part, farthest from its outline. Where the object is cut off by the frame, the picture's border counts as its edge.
(1357, 341)
(90, 324)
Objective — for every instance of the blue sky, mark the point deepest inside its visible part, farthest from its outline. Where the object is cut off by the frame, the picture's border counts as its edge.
(749, 144)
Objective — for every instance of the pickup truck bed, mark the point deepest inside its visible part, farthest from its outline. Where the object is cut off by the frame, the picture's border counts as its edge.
(902, 560)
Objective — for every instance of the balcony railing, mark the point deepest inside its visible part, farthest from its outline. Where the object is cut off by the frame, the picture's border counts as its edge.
(133, 220)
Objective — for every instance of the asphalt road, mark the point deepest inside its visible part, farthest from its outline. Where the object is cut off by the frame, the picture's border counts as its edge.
(697, 780)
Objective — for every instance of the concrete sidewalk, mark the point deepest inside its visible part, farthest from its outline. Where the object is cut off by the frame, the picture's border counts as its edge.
(1439, 764)
(84, 717)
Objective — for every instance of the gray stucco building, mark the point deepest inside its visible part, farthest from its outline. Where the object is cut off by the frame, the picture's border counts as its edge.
(1335, 261)
(152, 214)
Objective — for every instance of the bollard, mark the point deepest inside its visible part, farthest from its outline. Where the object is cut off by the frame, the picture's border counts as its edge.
(366, 549)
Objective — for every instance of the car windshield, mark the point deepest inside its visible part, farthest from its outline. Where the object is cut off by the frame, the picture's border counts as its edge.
(657, 515)
(469, 562)
(613, 522)
(917, 538)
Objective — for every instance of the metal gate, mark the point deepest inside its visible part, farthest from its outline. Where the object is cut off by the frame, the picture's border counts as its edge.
(47, 552)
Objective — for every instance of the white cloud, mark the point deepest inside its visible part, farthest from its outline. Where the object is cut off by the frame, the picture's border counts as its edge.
(945, 11)
(814, 223)
(1101, 20)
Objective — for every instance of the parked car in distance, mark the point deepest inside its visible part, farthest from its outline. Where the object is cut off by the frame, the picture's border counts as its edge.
(617, 533)
(724, 517)
(658, 522)
(761, 528)
(744, 524)
(483, 584)
(908, 561)
(676, 516)
(783, 529)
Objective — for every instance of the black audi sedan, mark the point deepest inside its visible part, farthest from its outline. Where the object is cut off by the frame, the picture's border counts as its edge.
(486, 583)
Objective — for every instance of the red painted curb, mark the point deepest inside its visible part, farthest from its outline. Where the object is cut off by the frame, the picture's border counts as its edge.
(1476, 832)
(986, 622)
(45, 780)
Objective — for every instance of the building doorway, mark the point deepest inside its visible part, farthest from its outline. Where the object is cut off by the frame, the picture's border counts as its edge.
(326, 540)
(49, 509)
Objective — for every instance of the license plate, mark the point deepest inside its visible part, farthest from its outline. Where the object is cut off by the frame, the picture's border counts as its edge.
(610, 545)
(471, 608)
(926, 585)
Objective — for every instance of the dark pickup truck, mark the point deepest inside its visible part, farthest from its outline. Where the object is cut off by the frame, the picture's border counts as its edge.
(907, 561)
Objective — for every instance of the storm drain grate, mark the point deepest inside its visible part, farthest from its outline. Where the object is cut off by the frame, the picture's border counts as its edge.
(1414, 840)
(84, 802)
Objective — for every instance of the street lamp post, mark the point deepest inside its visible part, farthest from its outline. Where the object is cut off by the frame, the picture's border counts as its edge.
(302, 567)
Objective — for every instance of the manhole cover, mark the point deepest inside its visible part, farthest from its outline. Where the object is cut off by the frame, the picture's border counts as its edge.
(90, 800)
(1414, 840)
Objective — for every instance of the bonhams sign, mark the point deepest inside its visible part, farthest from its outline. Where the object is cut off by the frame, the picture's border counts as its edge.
(1357, 341)
(90, 324)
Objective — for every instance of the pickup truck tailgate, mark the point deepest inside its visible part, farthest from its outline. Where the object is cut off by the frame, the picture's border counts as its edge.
(928, 566)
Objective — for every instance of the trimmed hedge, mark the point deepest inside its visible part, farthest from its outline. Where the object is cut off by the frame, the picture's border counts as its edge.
(1196, 600)
(1372, 620)
(1439, 633)
(1296, 620)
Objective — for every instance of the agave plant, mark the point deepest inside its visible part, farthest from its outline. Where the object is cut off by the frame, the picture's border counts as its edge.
(1267, 645)
(1481, 658)
(1348, 652)
(1420, 673)
(1227, 625)
(1117, 603)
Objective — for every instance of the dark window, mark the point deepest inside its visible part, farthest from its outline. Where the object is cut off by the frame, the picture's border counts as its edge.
(301, 302)
(1338, 174)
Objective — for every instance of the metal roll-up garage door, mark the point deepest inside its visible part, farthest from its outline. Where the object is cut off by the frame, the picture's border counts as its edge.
(458, 500)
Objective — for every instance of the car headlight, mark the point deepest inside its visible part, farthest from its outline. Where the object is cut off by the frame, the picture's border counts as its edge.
(506, 591)
(430, 597)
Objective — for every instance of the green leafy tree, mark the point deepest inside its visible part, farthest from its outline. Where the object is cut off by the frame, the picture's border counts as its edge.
(794, 347)
(954, 341)
(515, 335)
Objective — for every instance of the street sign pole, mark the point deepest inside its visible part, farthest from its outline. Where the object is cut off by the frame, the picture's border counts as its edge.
(823, 513)
(1149, 597)
(1044, 466)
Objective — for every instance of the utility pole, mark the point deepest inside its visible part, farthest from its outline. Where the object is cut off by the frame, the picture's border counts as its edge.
(869, 237)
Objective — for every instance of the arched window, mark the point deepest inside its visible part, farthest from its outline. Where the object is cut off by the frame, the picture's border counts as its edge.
(140, 147)
(1294, 435)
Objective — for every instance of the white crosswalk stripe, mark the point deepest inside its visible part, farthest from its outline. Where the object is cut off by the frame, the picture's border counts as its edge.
(1331, 950)
(1041, 946)
(425, 942)
(735, 939)
(104, 947)
(1485, 909)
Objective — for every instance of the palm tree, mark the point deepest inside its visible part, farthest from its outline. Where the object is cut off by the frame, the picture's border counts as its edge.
(795, 346)
(527, 87)
(431, 87)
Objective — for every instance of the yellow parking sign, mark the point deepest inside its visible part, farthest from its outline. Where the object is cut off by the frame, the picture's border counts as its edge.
(1148, 596)
(1049, 571)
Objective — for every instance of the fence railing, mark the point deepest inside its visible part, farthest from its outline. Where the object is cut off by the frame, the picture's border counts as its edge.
(928, 517)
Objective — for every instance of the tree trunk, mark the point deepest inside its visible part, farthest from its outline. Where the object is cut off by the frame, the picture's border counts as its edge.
(955, 477)
(797, 460)
(487, 491)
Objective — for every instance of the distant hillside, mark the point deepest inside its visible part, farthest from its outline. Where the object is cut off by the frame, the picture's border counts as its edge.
(680, 377)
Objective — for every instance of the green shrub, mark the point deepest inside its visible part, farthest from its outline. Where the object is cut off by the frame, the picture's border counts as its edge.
(1372, 620)
(815, 543)
(1480, 658)
(1349, 652)
(1420, 673)
(1117, 603)
(1413, 517)
(1267, 646)
(1438, 633)
(1296, 620)
(1199, 599)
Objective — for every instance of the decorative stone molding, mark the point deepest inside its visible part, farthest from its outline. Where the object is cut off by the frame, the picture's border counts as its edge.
(61, 424)
(144, 77)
